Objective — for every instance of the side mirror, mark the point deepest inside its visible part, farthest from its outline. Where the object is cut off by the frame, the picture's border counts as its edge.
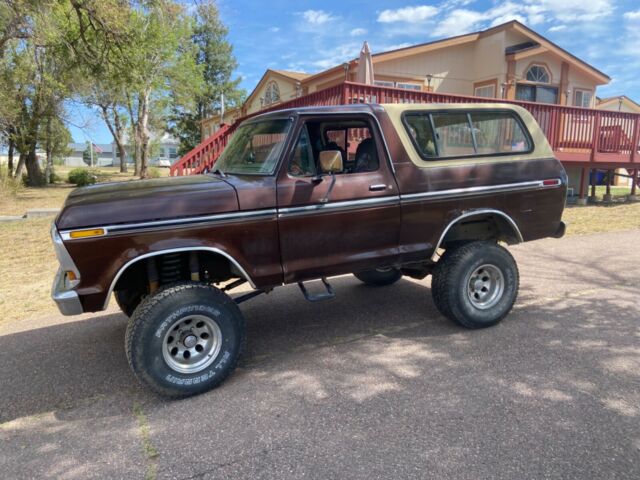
(331, 161)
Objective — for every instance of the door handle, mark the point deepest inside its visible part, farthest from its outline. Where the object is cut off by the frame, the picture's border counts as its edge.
(378, 187)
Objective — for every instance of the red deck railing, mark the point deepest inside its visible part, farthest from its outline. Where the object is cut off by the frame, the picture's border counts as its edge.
(578, 136)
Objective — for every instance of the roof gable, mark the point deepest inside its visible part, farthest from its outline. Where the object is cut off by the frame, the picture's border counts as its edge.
(534, 43)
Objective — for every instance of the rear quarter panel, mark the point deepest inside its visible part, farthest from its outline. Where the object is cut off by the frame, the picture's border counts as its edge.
(536, 212)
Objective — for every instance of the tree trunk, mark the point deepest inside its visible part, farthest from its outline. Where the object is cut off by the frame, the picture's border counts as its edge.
(136, 138)
(21, 161)
(143, 131)
(117, 132)
(34, 174)
(122, 151)
(10, 157)
(48, 170)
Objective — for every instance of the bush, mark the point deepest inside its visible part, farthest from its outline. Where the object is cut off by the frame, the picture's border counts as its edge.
(8, 184)
(153, 172)
(82, 177)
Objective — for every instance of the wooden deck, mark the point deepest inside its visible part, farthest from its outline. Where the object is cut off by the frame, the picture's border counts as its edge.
(584, 137)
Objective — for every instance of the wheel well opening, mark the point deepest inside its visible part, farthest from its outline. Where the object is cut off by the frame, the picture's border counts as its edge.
(149, 273)
(484, 226)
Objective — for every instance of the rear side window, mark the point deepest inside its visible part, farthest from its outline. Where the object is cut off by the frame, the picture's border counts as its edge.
(461, 134)
(498, 133)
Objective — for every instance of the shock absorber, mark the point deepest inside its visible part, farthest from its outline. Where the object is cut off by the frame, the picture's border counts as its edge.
(171, 268)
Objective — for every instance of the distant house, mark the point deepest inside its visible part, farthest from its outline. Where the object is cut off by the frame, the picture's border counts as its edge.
(164, 152)
(509, 61)
(621, 103)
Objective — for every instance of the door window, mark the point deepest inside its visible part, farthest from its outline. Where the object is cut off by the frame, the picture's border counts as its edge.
(302, 163)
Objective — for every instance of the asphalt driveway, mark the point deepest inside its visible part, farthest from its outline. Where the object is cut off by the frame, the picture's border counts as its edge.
(374, 384)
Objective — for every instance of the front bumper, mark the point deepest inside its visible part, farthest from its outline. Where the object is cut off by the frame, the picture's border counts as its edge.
(62, 291)
(68, 301)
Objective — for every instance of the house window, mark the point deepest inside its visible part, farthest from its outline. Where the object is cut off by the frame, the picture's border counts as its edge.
(536, 93)
(384, 83)
(271, 93)
(409, 86)
(173, 152)
(582, 98)
(538, 74)
(486, 91)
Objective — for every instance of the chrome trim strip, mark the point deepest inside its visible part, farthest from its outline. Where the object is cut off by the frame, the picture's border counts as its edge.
(462, 192)
(337, 206)
(122, 269)
(474, 213)
(176, 222)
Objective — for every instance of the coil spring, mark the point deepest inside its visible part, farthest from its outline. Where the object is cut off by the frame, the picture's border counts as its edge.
(170, 271)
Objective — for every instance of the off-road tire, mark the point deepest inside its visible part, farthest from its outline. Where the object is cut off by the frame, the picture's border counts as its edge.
(148, 330)
(379, 277)
(450, 284)
(128, 300)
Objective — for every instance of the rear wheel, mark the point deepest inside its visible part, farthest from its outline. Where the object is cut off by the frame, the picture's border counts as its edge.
(185, 339)
(379, 277)
(475, 284)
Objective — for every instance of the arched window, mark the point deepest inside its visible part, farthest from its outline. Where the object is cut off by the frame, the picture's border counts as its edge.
(538, 74)
(271, 93)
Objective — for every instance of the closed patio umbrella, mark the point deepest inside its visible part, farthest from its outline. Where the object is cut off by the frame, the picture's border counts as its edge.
(365, 66)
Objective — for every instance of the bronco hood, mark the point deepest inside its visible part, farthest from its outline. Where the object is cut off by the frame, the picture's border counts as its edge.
(146, 200)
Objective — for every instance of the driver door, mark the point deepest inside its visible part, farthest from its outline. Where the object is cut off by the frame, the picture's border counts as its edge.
(356, 228)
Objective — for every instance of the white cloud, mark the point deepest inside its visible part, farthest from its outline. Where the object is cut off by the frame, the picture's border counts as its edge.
(397, 46)
(632, 15)
(531, 12)
(574, 10)
(416, 14)
(558, 28)
(317, 17)
(458, 22)
(356, 32)
(274, 29)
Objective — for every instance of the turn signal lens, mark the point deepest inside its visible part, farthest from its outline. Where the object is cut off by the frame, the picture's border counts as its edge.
(71, 276)
(96, 232)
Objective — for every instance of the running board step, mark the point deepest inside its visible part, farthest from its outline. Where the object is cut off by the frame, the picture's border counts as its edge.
(317, 297)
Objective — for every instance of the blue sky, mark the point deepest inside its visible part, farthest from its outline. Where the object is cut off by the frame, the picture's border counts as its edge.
(311, 36)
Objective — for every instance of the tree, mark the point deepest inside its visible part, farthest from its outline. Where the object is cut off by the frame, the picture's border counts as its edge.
(56, 144)
(214, 55)
(161, 62)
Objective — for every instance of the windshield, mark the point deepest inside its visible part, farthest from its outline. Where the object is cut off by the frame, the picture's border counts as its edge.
(254, 148)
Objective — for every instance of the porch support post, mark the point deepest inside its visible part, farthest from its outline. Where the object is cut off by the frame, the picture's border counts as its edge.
(564, 84)
(584, 180)
(634, 183)
(607, 195)
(593, 180)
(510, 94)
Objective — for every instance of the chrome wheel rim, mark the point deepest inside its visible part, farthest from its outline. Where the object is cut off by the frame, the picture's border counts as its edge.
(485, 286)
(191, 344)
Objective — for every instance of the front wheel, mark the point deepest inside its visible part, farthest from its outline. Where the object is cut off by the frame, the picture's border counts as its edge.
(475, 284)
(379, 277)
(185, 339)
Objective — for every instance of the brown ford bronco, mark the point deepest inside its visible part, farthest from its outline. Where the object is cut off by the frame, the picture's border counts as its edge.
(380, 191)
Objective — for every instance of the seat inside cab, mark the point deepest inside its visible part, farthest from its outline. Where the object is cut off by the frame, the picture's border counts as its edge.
(352, 138)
